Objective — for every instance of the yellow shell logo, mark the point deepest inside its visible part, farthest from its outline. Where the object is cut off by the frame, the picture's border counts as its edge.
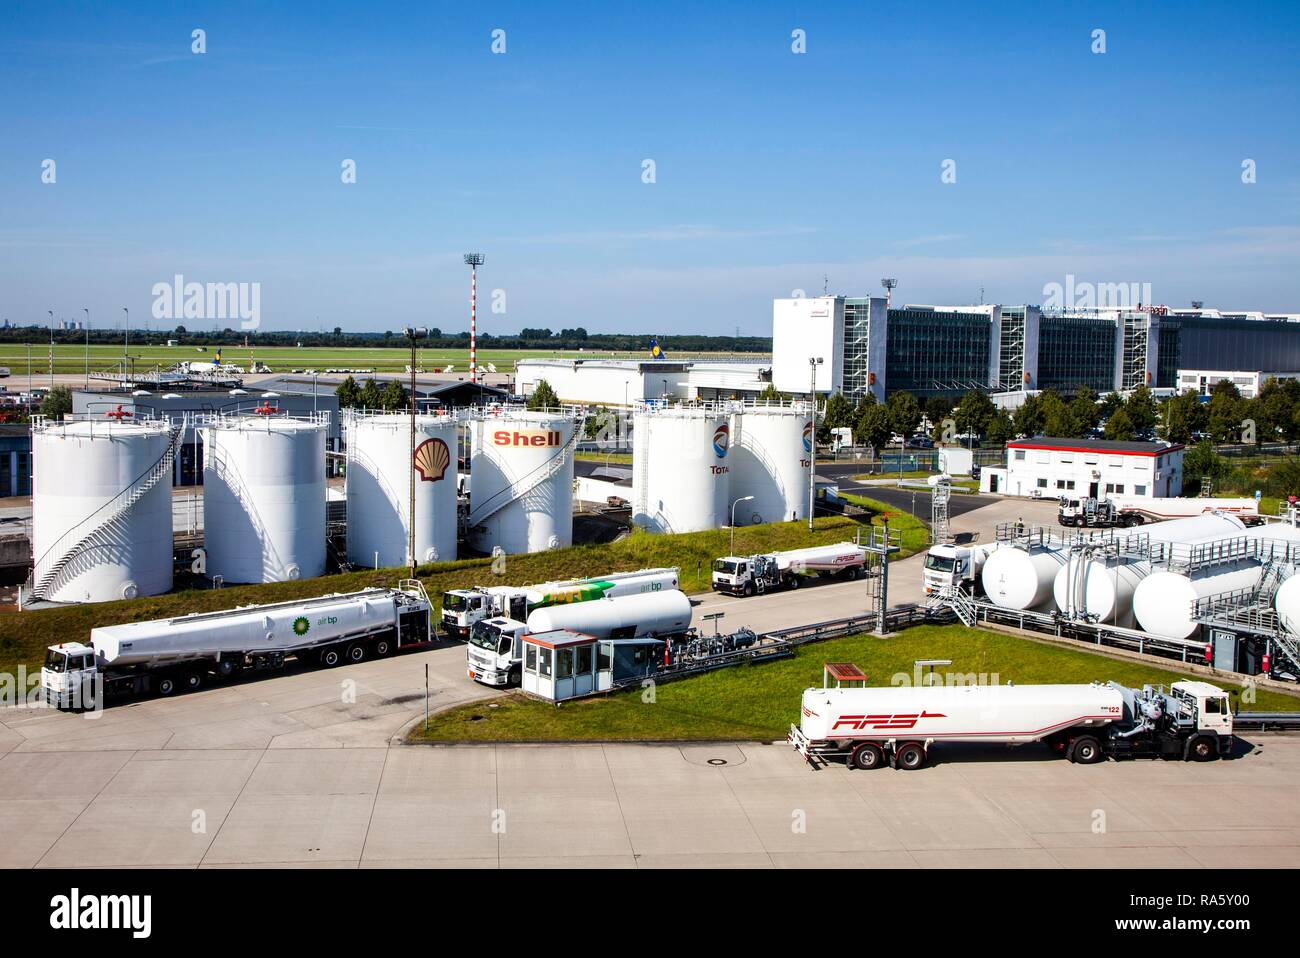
(432, 459)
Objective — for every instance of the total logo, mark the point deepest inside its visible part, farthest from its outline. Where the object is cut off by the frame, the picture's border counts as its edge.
(721, 440)
(807, 438)
(883, 722)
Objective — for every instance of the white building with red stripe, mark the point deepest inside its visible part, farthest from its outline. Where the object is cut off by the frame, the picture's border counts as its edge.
(1043, 467)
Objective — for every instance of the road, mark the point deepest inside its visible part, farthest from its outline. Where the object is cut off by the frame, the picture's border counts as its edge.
(299, 770)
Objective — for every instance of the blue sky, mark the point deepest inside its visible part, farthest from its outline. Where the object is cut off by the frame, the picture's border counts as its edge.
(772, 169)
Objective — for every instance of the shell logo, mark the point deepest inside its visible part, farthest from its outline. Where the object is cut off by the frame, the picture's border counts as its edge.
(721, 440)
(431, 460)
(807, 437)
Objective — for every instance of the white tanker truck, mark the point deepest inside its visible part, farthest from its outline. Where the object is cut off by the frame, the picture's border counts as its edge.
(770, 571)
(165, 655)
(870, 727)
(461, 608)
(494, 654)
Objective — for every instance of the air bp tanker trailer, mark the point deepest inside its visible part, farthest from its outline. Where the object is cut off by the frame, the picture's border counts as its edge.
(461, 608)
(165, 655)
(870, 727)
(770, 571)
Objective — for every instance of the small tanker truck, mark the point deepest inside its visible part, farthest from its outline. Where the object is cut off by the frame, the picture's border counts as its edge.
(166, 655)
(953, 566)
(870, 727)
(494, 654)
(461, 608)
(770, 571)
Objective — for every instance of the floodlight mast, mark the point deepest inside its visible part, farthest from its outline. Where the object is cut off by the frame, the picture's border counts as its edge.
(889, 283)
(473, 261)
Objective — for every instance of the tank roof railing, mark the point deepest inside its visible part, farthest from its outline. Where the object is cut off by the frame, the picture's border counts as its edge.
(100, 423)
(227, 416)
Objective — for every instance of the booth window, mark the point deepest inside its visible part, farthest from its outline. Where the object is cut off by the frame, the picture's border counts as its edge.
(603, 657)
(564, 663)
(530, 657)
(544, 665)
(584, 660)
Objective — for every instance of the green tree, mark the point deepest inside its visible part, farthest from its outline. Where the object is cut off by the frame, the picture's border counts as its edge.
(1141, 409)
(348, 393)
(371, 396)
(394, 396)
(1181, 416)
(974, 413)
(600, 422)
(937, 409)
(1110, 403)
(57, 403)
(771, 394)
(543, 397)
(837, 413)
(1225, 411)
(1119, 426)
(874, 426)
(1202, 461)
(1029, 419)
(1001, 429)
(1084, 410)
(1057, 420)
(904, 413)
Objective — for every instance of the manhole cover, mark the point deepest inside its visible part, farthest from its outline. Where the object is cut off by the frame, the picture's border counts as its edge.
(717, 761)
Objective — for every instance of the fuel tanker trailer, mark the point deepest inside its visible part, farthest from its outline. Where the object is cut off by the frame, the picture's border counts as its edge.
(870, 727)
(165, 655)
(771, 571)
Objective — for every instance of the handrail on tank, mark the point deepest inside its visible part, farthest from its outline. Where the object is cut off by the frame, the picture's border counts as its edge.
(224, 417)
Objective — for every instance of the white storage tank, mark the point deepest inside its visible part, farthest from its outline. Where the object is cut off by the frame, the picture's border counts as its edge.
(681, 469)
(1099, 588)
(1164, 601)
(264, 498)
(1287, 604)
(770, 450)
(1102, 588)
(521, 481)
(1018, 578)
(84, 474)
(379, 477)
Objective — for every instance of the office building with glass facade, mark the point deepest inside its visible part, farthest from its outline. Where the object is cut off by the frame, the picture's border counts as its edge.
(947, 350)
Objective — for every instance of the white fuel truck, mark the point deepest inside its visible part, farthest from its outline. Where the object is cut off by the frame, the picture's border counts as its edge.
(461, 608)
(1086, 723)
(950, 565)
(165, 655)
(746, 575)
(494, 654)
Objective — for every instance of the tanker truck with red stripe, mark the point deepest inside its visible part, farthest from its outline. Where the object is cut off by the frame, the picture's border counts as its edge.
(871, 727)
(771, 571)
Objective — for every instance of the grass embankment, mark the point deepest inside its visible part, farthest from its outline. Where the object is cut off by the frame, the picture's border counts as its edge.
(24, 636)
(758, 702)
(613, 458)
(915, 533)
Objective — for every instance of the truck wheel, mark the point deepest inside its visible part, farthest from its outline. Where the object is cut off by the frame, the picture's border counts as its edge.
(749, 589)
(868, 756)
(192, 681)
(515, 677)
(166, 685)
(792, 582)
(1086, 750)
(383, 647)
(910, 756)
(330, 657)
(227, 667)
(355, 652)
(1202, 749)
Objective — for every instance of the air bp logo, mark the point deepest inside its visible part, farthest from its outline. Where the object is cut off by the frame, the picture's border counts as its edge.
(721, 440)
(301, 625)
(807, 437)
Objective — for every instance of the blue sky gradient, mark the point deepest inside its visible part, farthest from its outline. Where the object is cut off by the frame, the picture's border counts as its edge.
(773, 169)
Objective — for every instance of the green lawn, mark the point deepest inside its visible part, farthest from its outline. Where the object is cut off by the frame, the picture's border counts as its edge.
(758, 702)
(915, 533)
(620, 458)
(25, 635)
(72, 359)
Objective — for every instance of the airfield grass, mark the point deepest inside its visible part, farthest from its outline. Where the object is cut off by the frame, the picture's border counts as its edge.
(24, 636)
(758, 702)
(71, 359)
(613, 458)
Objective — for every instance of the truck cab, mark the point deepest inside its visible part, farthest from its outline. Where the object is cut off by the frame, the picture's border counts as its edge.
(68, 675)
(949, 566)
(732, 574)
(462, 608)
(494, 653)
(1208, 708)
(1088, 511)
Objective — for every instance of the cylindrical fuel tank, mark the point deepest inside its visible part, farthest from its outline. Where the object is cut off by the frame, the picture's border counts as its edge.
(1100, 589)
(770, 450)
(651, 613)
(1017, 578)
(1287, 603)
(1164, 601)
(1193, 529)
(521, 482)
(680, 469)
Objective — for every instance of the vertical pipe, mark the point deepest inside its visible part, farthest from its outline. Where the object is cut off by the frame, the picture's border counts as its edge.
(473, 323)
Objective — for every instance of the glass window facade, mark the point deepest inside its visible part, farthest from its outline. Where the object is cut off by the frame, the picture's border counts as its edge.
(933, 352)
(1011, 349)
(1249, 344)
(857, 347)
(1076, 351)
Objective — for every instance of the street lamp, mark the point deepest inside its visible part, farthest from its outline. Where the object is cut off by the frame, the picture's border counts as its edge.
(413, 335)
(813, 363)
(86, 310)
(51, 349)
(732, 548)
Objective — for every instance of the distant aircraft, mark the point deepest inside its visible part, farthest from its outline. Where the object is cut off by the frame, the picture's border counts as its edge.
(491, 367)
(448, 369)
(216, 360)
(655, 351)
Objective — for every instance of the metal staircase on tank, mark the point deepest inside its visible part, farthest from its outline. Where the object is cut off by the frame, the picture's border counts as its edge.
(961, 604)
(96, 527)
(526, 483)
